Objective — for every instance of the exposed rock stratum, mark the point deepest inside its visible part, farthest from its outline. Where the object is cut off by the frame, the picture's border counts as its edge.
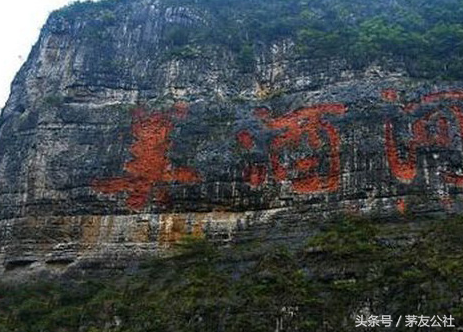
(111, 149)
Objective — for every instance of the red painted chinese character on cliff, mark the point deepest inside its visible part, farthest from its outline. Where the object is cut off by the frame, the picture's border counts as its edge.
(405, 169)
(254, 175)
(150, 166)
(294, 127)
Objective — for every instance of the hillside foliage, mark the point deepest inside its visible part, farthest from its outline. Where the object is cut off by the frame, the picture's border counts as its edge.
(352, 264)
(425, 35)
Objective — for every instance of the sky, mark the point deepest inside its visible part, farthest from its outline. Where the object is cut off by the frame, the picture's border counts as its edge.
(20, 24)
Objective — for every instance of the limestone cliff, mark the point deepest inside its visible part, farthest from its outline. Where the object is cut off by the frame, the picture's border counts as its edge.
(114, 143)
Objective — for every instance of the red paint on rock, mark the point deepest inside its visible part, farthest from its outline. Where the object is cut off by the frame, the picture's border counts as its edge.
(389, 95)
(307, 164)
(432, 98)
(437, 96)
(295, 126)
(401, 206)
(245, 139)
(150, 166)
(405, 170)
(279, 171)
(255, 175)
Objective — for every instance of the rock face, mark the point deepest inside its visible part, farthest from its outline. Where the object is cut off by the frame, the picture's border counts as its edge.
(111, 149)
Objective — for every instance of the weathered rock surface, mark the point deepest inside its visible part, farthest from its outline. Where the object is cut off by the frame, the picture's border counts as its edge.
(109, 149)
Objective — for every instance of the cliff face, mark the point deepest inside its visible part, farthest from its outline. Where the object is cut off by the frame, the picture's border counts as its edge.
(114, 145)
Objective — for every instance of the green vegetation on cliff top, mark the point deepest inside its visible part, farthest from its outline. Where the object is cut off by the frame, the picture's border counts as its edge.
(427, 36)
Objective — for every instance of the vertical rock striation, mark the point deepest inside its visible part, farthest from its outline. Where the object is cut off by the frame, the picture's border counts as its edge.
(112, 147)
